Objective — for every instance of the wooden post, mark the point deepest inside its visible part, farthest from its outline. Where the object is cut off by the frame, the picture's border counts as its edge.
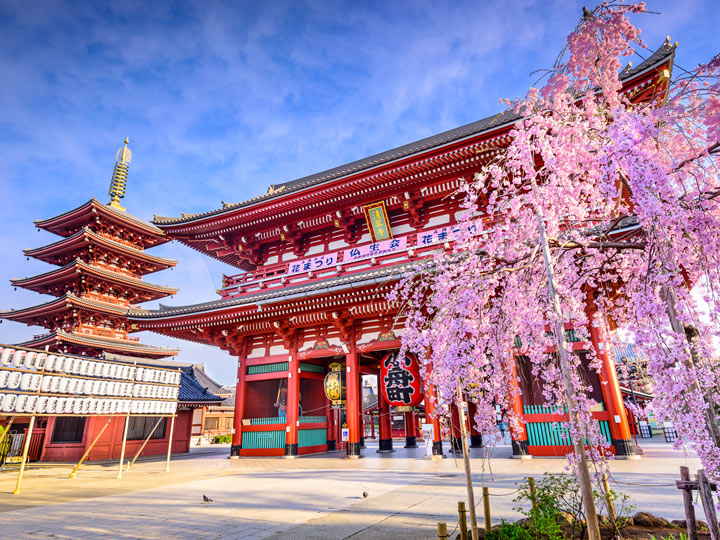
(462, 511)
(486, 508)
(142, 447)
(466, 462)
(608, 498)
(7, 429)
(122, 449)
(170, 440)
(73, 474)
(583, 470)
(531, 489)
(442, 531)
(689, 508)
(708, 505)
(26, 447)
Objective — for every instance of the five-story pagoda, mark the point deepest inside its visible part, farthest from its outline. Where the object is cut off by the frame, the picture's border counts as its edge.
(100, 262)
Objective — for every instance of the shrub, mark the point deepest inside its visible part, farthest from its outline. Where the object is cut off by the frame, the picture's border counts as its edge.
(220, 439)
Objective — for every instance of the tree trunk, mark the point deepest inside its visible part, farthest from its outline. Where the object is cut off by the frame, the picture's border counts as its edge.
(466, 461)
(578, 445)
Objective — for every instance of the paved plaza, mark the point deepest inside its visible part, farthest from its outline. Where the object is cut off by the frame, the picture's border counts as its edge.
(315, 497)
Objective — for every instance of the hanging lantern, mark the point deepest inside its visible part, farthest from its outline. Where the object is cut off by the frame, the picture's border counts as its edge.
(335, 385)
(401, 383)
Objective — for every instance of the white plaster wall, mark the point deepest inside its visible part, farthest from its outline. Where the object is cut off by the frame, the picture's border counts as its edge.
(402, 229)
(337, 244)
(442, 219)
(319, 248)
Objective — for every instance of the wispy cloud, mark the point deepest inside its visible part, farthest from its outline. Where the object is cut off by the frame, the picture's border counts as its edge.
(221, 99)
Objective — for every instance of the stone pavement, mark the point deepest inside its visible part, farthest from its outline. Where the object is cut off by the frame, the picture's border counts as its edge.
(318, 497)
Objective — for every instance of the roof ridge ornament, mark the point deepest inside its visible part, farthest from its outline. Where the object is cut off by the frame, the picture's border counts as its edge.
(118, 182)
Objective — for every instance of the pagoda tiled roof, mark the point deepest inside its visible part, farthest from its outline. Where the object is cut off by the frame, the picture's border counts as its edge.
(59, 337)
(489, 124)
(325, 286)
(88, 236)
(66, 301)
(71, 269)
(84, 212)
(193, 391)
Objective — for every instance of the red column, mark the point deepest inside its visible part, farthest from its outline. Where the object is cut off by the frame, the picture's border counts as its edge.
(430, 417)
(293, 400)
(475, 434)
(410, 430)
(609, 384)
(386, 443)
(519, 433)
(353, 399)
(240, 392)
(455, 431)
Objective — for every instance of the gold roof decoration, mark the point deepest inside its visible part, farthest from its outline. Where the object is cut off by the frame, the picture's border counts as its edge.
(118, 182)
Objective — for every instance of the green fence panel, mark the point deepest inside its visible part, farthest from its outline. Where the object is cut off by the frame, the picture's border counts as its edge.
(312, 419)
(314, 368)
(263, 439)
(267, 368)
(265, 421)
(312, 437)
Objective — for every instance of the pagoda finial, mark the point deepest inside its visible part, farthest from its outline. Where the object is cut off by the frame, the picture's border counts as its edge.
(118, 182)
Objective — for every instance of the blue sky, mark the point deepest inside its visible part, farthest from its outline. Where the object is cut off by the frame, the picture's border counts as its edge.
(222, 99)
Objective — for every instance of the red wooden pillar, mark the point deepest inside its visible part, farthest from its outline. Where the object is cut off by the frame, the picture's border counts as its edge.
(430, 417)
(475, 434)
(353, 396)
(517, 433)
(293, 400)
(410, 430)
(240, 393)
(386, 442)
(609, 384)
(455, 430)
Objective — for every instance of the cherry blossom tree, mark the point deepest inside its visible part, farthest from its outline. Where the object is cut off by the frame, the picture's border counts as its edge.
(599, 197)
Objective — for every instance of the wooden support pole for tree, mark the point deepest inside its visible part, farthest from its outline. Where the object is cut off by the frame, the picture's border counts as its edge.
(442, 531)
(142, 446)
(708, 505)
(122, 448)
(531, 489)
(466, 462)
(26, 447)
(486, 509)
(73, 474)
(462, 511)
(608, 498)
(170, 441)
(7, 429)
(689, 507)
(593, 527)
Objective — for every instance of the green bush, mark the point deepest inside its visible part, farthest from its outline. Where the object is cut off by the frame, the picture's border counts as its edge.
(558, 512)
(220, 439)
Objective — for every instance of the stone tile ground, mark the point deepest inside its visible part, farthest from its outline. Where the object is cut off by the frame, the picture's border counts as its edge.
(320, 497)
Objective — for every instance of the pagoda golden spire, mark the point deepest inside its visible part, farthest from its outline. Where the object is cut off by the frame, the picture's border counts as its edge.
(118, 182)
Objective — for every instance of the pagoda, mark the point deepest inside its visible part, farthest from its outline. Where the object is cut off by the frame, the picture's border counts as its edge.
(100, 261)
